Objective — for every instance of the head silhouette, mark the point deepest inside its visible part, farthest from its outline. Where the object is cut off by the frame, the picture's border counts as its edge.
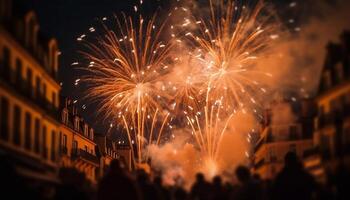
(243, 174)
(142, 176)
(291, 159)
(199, 177)
(217, 180)
(158, 180)
(114, 166)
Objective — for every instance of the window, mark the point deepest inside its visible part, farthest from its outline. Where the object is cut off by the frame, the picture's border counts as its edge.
(17, 125)
(64, 116)
(54, 99)
(76, 123)
(91, 134)
(44, 91)
(86, 148)
(44, 150)
(75, 146)
(37, 87)
(29, 81)
(86, 130)
(4, 126)
(37, 135)
(64, 140)
(28, 130)
(6, 61)
(18, 77)
(53, 145)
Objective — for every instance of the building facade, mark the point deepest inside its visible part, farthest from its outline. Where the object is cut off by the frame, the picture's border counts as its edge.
(107, 152)
(29, 128)
(276, 140)
(39, 132)
(77, 146)
(332, 124)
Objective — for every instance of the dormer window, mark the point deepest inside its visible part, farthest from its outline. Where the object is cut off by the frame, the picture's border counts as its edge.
(53, 57)
(86, 130)
(65, 116)
(91, 134)
(31, 30)
(76, 123)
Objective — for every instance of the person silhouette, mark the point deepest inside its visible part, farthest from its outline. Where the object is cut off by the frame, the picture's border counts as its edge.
(293, 182)
(116, 184)
(200, 189)
(163, 192)
(219, 192)
(249, 188)
(148, 190)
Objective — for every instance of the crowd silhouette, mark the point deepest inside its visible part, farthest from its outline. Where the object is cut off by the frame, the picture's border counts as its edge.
(292, 182)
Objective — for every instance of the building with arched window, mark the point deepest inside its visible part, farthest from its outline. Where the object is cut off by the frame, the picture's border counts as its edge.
(29, 95)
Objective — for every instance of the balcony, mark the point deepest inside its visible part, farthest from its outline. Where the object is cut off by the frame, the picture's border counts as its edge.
(23, 88)
(84, 155)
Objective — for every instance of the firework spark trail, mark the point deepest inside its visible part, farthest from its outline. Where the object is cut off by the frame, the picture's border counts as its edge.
(126, 74)
(230, 45)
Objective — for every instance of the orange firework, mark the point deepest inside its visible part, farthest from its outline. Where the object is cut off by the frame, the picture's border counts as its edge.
(126, 75)
(230, 44)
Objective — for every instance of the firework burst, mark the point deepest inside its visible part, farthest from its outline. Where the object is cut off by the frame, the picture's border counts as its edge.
(126, 75)
(229, 46)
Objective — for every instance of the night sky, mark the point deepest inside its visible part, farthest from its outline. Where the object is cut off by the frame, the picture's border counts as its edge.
(66, 20)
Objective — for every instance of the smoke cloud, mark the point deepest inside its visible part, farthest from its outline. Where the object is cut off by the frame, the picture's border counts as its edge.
(295, 60)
